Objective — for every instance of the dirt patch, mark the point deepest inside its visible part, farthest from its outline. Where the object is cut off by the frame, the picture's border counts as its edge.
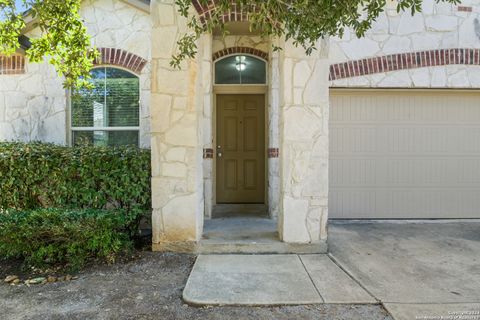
(149, 287)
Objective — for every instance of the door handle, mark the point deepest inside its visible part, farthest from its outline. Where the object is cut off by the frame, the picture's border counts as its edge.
(219, 154)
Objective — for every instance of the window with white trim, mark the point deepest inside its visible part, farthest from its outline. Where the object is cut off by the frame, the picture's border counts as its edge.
(108, 114)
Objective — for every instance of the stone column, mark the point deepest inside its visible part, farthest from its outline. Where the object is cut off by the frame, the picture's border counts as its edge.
(176, 117)
(273, 133)
(304, 144)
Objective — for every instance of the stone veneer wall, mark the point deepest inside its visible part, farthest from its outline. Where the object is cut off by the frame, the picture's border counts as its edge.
(33, 105)
(177, 100)
(304, 110)
(438, 26)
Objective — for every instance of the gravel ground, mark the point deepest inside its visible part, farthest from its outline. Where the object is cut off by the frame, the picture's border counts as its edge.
(149, 287)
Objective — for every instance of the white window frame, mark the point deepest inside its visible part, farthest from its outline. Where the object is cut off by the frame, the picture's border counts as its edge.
(73, 129)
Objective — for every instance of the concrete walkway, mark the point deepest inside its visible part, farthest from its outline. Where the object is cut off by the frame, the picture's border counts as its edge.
(270, 280)
(415, 270)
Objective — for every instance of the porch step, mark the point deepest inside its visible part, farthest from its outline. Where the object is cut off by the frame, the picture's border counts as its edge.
(247, 236)
(239, 209)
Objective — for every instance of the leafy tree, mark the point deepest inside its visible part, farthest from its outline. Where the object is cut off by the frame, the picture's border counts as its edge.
(64, 39)
(67, 44)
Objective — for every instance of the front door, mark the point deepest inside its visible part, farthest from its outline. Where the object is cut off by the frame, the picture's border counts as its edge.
(240, 148)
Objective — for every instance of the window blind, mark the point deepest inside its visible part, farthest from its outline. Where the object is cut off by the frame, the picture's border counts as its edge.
(113, 102)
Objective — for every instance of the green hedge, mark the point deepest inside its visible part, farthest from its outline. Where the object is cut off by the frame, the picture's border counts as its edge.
(48, 237)
(39, 175)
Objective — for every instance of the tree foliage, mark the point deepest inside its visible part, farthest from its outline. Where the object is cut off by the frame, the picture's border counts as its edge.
(65, 41)
(302, 21)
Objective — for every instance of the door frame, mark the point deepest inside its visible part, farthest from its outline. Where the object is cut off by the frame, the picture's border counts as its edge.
(238, 89)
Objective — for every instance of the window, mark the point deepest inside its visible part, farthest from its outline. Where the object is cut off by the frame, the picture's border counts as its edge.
(240, 69)
(108, 114)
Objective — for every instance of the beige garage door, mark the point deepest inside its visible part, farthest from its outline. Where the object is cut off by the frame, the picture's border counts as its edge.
(404, 154)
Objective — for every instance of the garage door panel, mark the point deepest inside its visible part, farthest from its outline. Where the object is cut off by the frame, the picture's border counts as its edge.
(402, 203)
(405, 154)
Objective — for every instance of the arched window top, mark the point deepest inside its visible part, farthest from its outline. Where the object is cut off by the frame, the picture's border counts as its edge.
(240, 69)
(121, 58)
(109, 113)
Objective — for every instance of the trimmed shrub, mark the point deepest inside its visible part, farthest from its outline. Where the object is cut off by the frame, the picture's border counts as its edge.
(39, 175)
(70, 238)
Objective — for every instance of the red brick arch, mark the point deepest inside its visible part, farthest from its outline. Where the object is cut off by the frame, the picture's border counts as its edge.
(240, 50)
(403, 61)
(14, 64)
(121, 58)
(237, 13)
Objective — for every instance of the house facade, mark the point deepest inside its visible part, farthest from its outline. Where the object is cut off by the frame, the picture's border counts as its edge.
(387, 126)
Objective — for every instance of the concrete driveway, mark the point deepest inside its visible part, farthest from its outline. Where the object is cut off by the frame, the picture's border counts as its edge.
(415, 269)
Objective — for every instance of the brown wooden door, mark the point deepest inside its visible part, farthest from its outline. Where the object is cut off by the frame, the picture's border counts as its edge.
(240, 148)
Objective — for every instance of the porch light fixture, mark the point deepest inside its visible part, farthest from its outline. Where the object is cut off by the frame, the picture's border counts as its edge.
(240, 64)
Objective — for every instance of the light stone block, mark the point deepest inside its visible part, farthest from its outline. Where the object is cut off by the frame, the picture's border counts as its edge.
(183, 133)
(164, 188)
(175, 154)
(359, 48)
(160, 114)
(459, 80)
(300, 123)
(467, 32)
(428, 6)
(420, 77)
(396, 44)
(163, 48)
(2, 108)
(301, 74)
(294, 213)
(14, 100)
(176, 170)
(439, 78)
(410, 24)
(178, 223)
(172, 82)
(474, 76)
(164, 15)
(441, 23)
(316, 178)
(316, 90)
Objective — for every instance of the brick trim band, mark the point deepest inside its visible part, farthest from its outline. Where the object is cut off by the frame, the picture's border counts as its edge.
(208, 153)
(14, 64)
(403, 61)
(464, 9)
(121, 58)
(236, 14)
(235, 50)
(273, 152)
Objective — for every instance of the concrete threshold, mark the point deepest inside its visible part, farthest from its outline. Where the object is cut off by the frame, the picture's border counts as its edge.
(250, 235)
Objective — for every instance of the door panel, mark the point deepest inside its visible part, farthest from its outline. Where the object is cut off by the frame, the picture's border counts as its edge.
(240, 148)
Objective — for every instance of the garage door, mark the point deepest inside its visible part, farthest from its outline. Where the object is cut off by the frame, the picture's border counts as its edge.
(404, 154)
